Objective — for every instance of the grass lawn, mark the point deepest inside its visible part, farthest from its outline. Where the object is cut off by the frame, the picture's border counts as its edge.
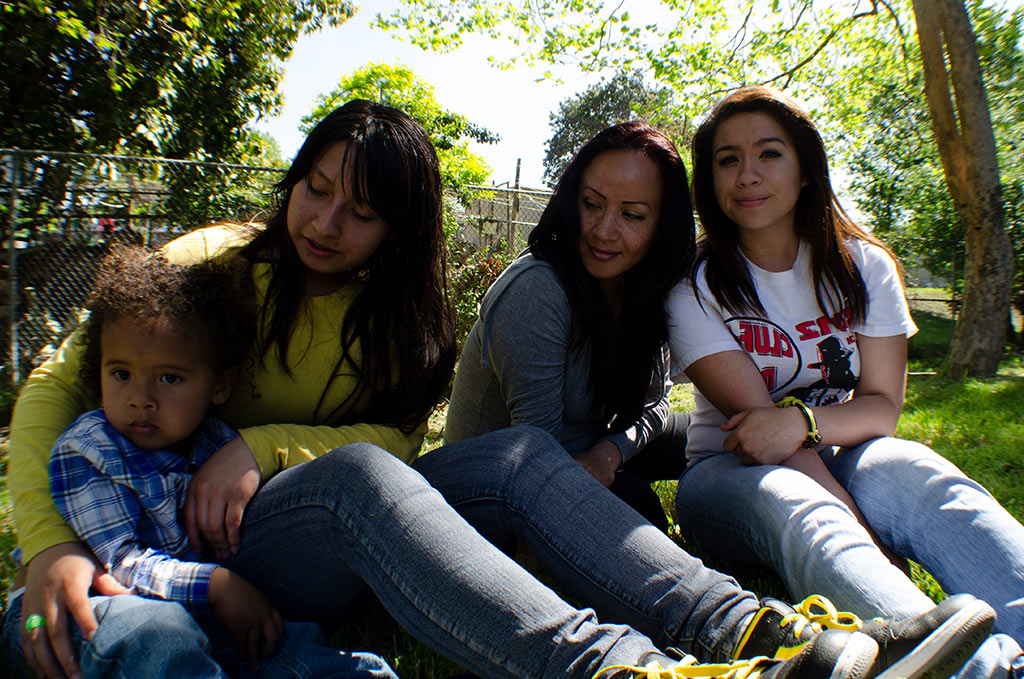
(975, 423)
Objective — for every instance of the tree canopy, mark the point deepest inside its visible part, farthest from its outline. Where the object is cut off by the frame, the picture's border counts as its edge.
(857, 64)
(450, 132)
(624, 97)
(179, 79)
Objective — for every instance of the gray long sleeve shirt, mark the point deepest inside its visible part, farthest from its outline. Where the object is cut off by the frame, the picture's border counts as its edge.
(518, 368)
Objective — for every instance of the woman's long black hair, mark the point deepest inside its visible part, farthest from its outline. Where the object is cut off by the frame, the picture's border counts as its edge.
(819, 220)
(401, 320)
(623, 356)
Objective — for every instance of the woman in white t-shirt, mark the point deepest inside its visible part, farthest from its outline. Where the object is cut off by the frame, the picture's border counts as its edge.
(796, 342)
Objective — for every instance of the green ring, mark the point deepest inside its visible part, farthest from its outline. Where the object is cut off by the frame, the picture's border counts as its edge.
(33, 621)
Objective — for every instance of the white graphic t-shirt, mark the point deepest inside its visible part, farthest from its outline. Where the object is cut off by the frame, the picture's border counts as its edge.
(799, 350)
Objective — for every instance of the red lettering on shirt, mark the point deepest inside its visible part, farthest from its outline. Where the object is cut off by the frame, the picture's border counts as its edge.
(824, 325)
(744, 338)
(808, 330)
(762, 339)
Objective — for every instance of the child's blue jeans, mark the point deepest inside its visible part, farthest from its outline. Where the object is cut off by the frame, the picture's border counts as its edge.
(143, 638)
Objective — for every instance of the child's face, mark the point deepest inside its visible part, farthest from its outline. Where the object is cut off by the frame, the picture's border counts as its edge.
(156, 383)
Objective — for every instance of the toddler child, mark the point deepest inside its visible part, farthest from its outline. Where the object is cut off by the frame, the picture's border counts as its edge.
(163, 344)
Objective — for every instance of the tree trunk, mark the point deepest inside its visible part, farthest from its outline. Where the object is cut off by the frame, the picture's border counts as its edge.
(968, 152)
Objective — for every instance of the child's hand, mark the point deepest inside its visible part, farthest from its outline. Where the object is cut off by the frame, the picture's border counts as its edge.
(251, 618)
(217, 496)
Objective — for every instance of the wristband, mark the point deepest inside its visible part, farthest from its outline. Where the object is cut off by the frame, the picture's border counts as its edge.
(813, 435)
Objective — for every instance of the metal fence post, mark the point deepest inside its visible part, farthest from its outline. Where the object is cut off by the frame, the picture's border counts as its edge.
(12, 258)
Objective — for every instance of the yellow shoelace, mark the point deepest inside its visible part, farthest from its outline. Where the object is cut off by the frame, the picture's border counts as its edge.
(820, 613)
(688, 668)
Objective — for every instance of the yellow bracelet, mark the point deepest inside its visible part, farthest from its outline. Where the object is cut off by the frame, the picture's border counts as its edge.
(813, 435)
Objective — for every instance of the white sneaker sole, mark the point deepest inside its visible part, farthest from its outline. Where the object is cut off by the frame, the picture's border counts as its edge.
(945, 650)
(855, 660)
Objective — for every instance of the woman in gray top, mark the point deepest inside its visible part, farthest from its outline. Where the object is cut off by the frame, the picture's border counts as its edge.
(572, 337)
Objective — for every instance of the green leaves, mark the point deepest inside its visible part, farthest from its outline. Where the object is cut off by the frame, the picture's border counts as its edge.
(398, 86)
(699, 48)
(173, 77)
(625, 97)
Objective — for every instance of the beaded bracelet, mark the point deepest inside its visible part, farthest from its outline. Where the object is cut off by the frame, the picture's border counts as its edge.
(813, 435)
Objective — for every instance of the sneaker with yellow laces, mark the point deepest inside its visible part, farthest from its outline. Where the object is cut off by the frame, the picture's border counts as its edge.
(933, 644)
(832, 654)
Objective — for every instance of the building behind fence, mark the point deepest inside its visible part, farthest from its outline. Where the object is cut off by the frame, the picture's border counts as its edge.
(63, 211)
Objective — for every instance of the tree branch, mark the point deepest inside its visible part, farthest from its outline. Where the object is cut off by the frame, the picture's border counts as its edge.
(789, 73)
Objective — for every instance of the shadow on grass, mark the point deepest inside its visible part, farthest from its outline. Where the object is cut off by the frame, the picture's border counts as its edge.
(1002, 394)
(931, 343)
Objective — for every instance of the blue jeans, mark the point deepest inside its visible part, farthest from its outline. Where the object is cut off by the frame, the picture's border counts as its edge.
(141, 638)
(518, 486)
(918, 504)
(316, 534)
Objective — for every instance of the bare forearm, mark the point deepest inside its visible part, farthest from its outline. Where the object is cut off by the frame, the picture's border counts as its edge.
(860, 419)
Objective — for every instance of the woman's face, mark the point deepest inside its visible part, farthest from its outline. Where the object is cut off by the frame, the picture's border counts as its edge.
(620, 206)
(332, 233)
(756, 172)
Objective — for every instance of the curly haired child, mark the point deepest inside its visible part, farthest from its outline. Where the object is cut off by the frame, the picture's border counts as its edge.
(164, 344)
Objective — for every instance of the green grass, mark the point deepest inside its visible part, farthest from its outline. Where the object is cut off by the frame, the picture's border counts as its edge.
(8, 538)
(975, 423)
(928, 347)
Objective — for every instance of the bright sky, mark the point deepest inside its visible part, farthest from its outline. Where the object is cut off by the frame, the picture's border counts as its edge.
(510, 103)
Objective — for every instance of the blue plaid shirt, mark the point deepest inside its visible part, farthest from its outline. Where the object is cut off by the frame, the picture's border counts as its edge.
(124, 502)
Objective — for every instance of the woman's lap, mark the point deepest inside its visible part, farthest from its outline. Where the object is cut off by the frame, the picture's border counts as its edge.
(522, 487)
(780, 517)
(917, 502)
(314, 534)
(928, 510)
(317, 532)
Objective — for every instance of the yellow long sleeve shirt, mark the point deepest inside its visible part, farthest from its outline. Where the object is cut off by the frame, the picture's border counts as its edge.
(272, 409)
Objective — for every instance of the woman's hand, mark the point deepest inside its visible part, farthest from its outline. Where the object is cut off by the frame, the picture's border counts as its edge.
(217, 496)
(252, 620)
(602, 461)
(765, 435)
(57, 583)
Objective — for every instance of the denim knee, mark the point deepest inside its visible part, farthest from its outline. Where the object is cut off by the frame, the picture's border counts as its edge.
(139, 637)
(904, 478)
(140, 622)
(893, 459)
(491, 463)
(348, 471)
(522, 446)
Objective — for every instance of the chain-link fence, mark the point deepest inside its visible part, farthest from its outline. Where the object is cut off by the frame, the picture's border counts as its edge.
(63, 211)
(501, 217)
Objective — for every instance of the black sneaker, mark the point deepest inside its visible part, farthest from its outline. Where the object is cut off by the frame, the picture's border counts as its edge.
(780, 631)
(832, 654)
(932, 645)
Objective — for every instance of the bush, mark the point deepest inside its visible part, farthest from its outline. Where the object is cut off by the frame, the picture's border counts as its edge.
(471, 275)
